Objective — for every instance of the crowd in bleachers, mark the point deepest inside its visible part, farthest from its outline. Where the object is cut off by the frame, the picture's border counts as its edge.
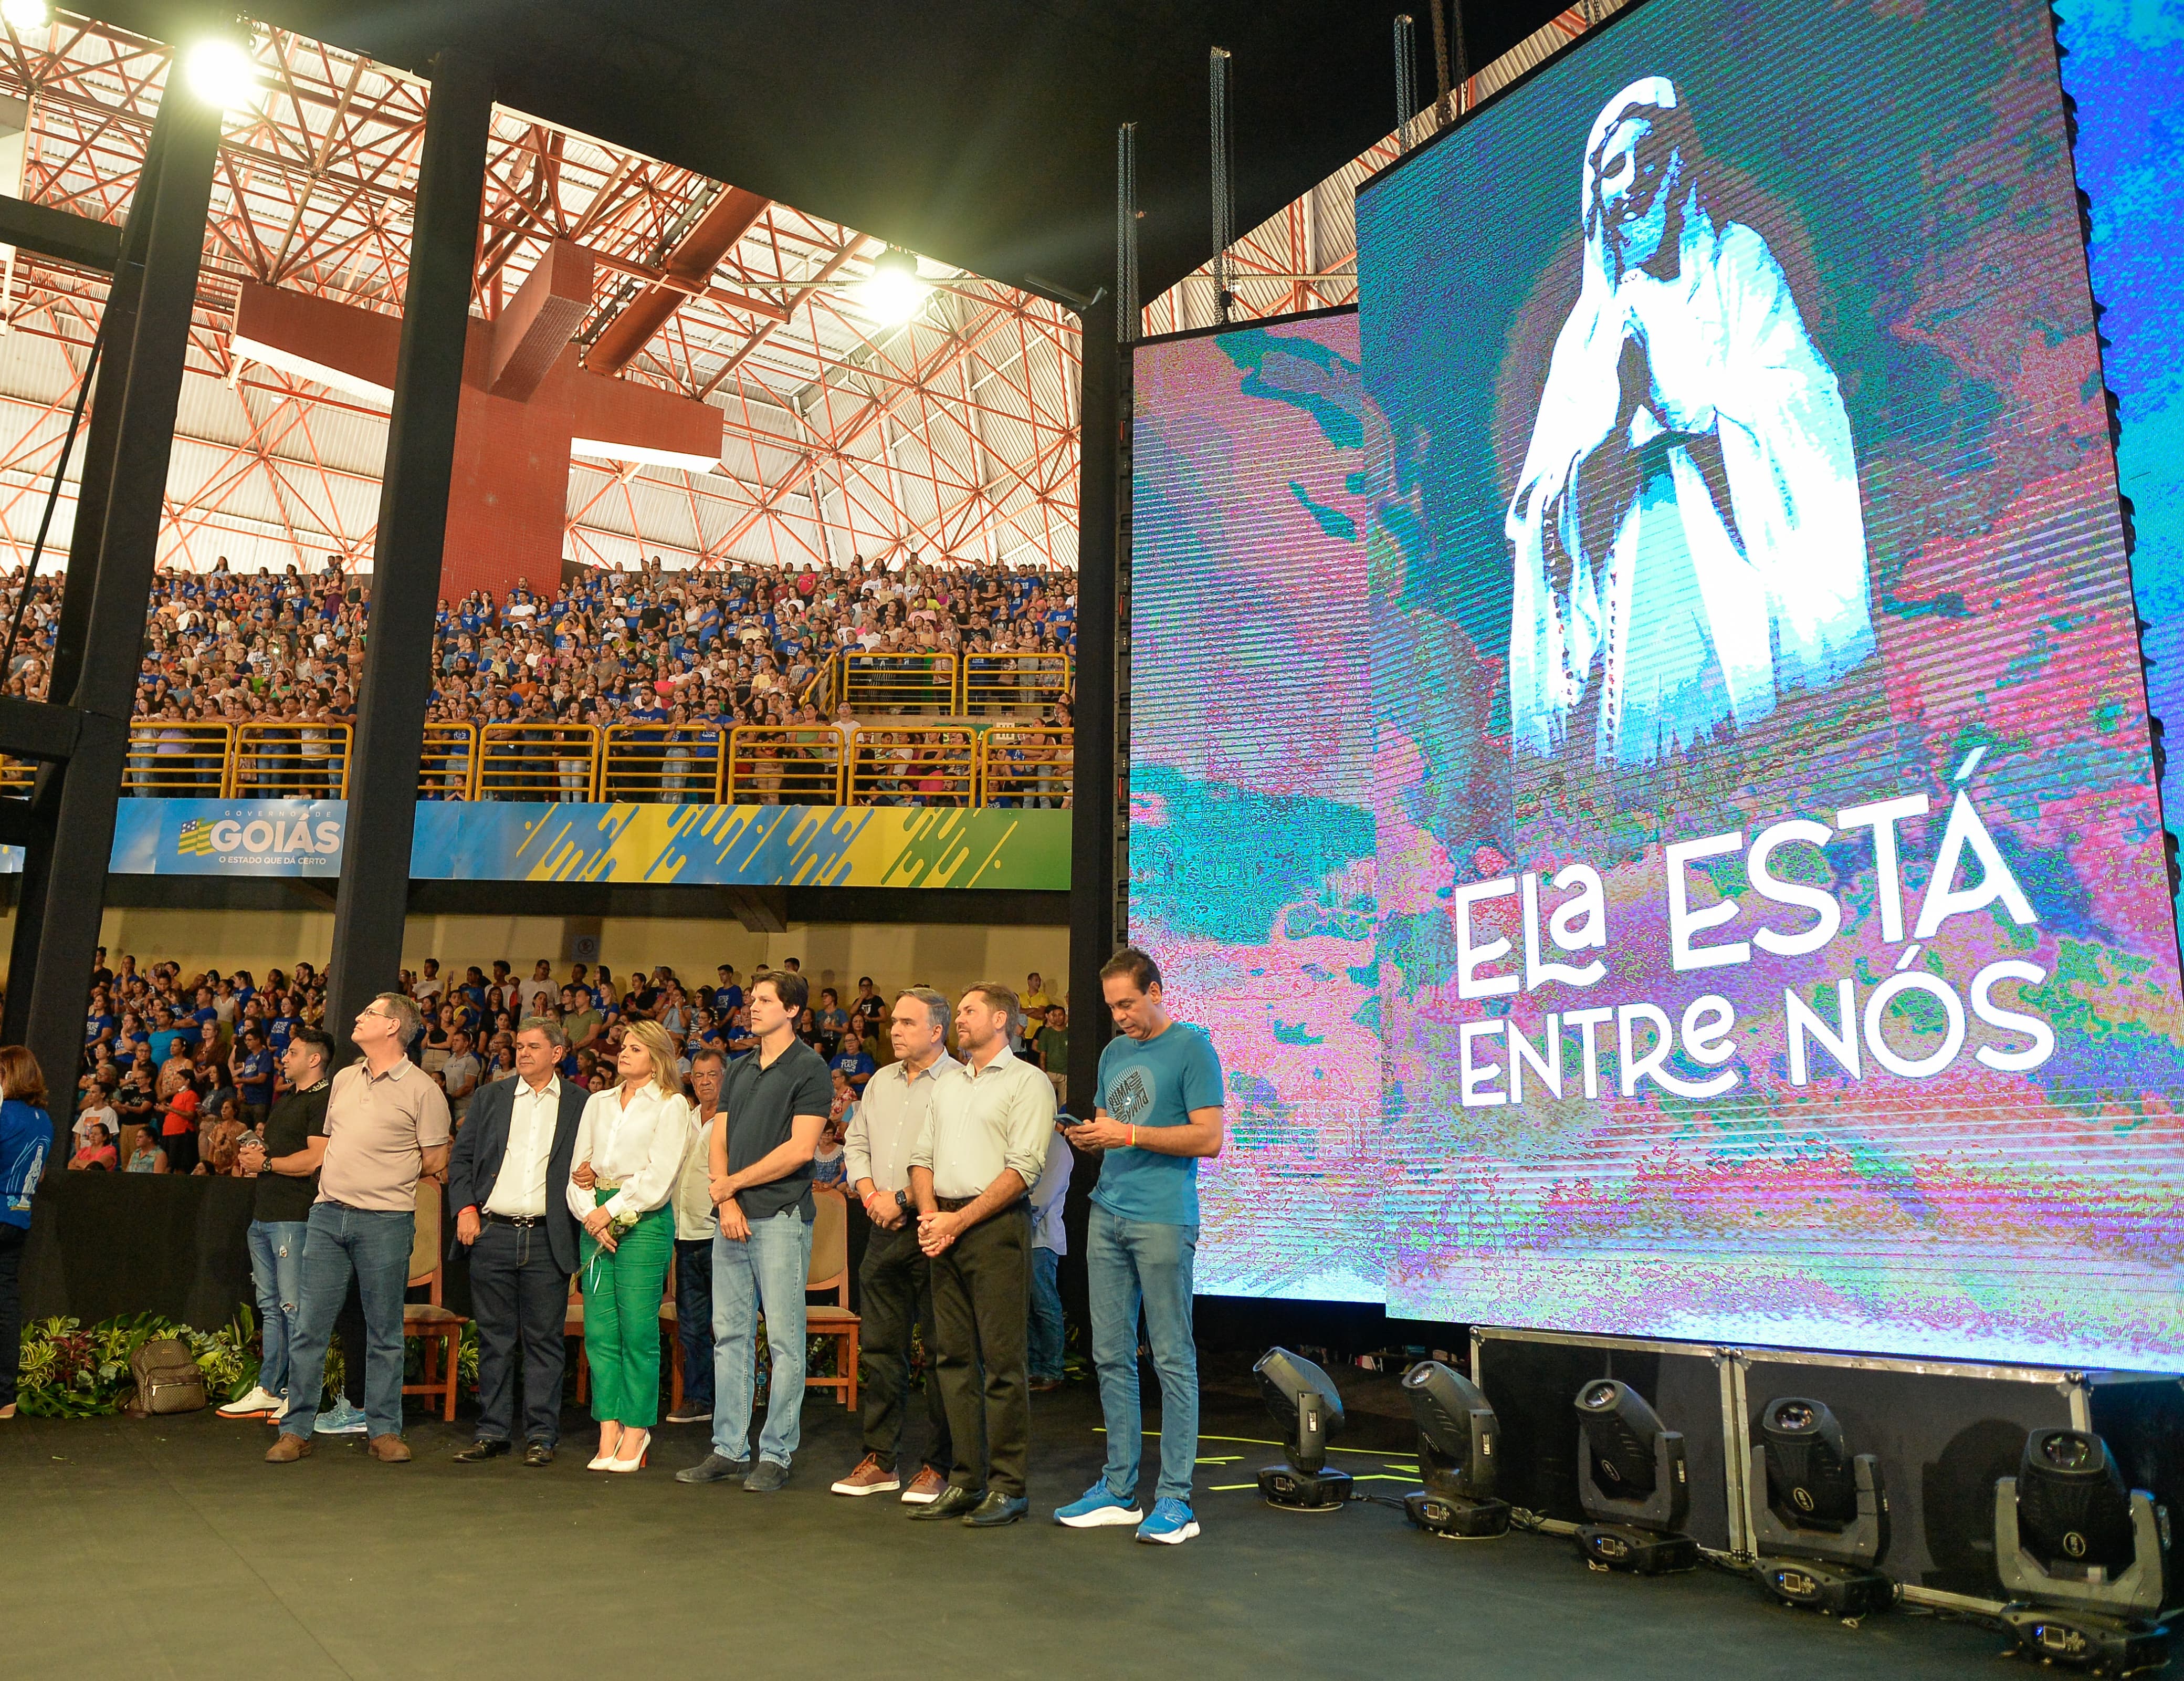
(698, 651)
(179, 1066)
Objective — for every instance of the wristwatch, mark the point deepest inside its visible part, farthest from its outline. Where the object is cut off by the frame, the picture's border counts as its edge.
(903, 1202)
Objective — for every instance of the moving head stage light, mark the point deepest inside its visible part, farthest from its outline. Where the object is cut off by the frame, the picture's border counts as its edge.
(1305, 1404)
(1632, 1483)
(1457, 1437)
(2082, 1558)
(1826, 1522)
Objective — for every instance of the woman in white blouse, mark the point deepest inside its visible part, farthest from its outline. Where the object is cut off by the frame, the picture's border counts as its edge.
(629, 1148)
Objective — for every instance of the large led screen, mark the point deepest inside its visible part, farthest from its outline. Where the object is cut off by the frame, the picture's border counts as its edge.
(2124, 66)
(1250, 841)
(1775, 942)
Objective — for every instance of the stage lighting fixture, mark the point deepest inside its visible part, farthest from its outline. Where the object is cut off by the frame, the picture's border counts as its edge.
(1457, 1437)
(1632, 1483)
(1824, 1524)
(896, 291)
(25, 14)
(1303, 1402)
(2082, 1558)
(219, 72)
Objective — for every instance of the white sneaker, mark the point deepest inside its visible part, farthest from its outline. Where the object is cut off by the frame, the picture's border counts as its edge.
(259, 1402)
(279, 1412)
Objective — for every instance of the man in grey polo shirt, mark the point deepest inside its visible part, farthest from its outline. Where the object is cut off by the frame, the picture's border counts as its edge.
(895, 1284)
(984, 1146)
(387, 1126)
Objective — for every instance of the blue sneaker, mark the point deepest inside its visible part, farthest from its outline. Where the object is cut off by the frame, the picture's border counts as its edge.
(1096, 1510)
(340, 1419)
(1171, 1523)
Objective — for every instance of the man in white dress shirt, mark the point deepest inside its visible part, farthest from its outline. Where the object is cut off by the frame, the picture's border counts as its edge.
(506, 1180)
(983, 1147)
(895, 1281)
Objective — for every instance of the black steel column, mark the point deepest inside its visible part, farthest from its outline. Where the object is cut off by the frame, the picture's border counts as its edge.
(1092, 850)
(374, 898)
(70, 883)
(117, 329)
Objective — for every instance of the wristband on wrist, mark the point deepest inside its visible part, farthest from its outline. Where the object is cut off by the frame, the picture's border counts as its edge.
(1133, 1138)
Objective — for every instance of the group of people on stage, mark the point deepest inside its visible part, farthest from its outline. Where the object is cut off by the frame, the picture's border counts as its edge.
(959, 1162)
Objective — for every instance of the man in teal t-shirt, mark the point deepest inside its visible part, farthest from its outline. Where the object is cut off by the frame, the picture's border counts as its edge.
(1159, 1112)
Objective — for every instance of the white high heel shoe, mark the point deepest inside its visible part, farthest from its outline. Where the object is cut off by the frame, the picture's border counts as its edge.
(644, 1451)
(603, 1459)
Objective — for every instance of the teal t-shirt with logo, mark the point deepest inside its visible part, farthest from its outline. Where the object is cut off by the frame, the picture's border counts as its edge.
(1155, 1082)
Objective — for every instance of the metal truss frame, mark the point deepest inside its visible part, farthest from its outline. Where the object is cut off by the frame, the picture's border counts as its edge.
(954, 436)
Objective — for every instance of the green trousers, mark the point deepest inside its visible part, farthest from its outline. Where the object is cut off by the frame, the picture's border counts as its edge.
(623, 1292)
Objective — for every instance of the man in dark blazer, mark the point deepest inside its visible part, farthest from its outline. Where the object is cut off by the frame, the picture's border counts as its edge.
(508, 1182)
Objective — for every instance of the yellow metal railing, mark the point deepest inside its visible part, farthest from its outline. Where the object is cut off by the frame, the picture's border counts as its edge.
(295, 759)
(929, 763)
(1026, 765)
(538, 761)
(899, 683)
(171, 760)
(672, 764)
(447, 764)
(17, 776)
(910, 766)
(1010, 682)
(784, 765)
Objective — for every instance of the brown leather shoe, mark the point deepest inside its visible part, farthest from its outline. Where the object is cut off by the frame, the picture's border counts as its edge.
(870, 1477)
(286, 1448)
(925, 1488)
(389, 1450)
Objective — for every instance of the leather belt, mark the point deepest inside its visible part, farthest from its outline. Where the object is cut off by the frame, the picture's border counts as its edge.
(957, 1204)
(526, 1219)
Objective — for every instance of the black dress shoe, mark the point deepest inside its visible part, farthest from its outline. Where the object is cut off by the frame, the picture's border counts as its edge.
(480, 1451)
(954, 1502)
(997, 1509)
(538, 1453)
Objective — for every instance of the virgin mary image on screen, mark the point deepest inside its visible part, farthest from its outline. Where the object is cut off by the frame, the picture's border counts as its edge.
(1689, 547)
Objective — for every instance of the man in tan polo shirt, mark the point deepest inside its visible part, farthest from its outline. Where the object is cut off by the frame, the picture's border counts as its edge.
(387, 1124)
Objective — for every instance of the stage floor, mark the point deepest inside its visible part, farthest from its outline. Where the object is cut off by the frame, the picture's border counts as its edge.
(166, 1547)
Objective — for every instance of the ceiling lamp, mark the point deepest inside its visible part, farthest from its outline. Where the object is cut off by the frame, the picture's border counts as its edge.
(25, 14)
(896, 291)
(219, 72)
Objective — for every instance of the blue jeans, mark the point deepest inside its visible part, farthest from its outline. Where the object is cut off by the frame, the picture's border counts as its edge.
(1131, 1264)
(1043, 1354)
(374, 1247)
(276, 1280)
(765, 1272)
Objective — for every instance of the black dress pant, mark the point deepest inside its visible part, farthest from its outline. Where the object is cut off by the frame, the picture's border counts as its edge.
(518, 1296)
(12, 1239)
(181, 1149)
(981, 1312)
(895, 1285)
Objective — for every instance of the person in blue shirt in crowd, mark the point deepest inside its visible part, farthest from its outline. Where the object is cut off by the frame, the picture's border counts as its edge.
(1159, 1114)
(252, 1067)
(727, 996)
(282, 1027)
(26, 1136)
(852, 1062)
(168, 1035)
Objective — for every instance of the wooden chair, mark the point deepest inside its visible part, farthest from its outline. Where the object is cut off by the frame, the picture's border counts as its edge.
(830, 1272)
(439, 1329)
